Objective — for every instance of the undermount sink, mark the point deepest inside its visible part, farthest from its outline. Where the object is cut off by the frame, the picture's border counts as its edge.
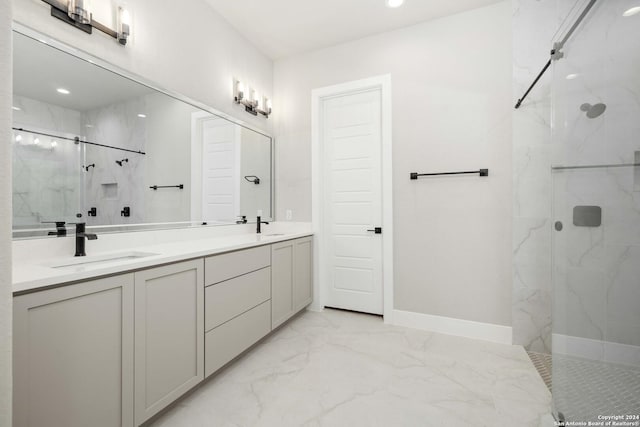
(101, 259)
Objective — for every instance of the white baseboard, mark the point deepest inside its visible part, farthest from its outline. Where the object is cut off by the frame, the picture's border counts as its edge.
(596, 350)
(448, 325)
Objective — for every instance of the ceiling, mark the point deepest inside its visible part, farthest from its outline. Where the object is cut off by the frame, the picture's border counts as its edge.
(39, 70)
(282, 28)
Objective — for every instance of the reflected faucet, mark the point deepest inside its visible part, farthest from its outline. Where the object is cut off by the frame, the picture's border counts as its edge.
(259, 222)
(80, 236)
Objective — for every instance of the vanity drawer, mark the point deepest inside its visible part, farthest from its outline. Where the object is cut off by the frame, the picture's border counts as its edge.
(224, 343)
(226, 300)
(226, 266)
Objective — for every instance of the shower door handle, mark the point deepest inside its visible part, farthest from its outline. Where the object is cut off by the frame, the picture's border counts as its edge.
(376, 230)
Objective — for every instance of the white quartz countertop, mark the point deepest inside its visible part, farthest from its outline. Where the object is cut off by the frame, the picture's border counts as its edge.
(38, 272)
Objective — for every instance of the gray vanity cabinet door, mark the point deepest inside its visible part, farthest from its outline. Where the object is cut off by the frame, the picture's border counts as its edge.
(281, 282)
(73, 355)
(169, 335)
(303, 273)
(291, 278)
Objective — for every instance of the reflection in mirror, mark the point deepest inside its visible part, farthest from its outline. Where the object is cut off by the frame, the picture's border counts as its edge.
(94, 146)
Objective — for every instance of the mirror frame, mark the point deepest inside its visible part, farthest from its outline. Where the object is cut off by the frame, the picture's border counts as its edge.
(87, 57)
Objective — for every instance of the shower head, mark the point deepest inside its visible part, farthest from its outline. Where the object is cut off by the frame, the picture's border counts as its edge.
(593, 111)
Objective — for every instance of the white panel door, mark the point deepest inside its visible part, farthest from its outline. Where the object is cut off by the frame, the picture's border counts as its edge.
(351, 138)
(220, 170)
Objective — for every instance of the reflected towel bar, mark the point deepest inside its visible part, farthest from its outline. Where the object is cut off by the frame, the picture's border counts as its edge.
(481, 172)
(155, 187)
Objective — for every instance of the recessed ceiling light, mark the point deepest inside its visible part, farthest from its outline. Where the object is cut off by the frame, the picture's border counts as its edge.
(63, 91)
(142, 116)
(394, 3)
(632, 11)
(16, 108)
(572, 76)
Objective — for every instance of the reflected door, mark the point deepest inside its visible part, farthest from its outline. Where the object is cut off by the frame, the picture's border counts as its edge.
(221, 170)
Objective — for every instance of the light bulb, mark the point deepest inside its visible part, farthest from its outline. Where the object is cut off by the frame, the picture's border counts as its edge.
(394, 3)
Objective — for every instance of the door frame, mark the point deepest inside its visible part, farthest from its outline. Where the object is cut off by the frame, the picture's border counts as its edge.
(382, 83)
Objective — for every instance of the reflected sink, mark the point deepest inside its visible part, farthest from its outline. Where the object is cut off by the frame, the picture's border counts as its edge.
(101, 259)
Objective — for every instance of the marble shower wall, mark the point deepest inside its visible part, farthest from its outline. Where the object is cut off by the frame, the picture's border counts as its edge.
(534, 26)
(46, 171)
(109, 186)
(596, 269)
(596, 294)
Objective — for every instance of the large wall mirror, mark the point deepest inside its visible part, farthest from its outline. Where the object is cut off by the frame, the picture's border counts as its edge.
(92, 145)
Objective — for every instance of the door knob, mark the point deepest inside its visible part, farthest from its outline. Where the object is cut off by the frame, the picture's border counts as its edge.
(377, 230)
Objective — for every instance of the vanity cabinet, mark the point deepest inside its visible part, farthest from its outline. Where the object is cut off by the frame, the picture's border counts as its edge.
(169, 334)
(237, 304)
(73, 355)
(116, 351)
(291, 278)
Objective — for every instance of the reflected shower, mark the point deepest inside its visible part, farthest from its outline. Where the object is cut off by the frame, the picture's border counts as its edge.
(593, 111)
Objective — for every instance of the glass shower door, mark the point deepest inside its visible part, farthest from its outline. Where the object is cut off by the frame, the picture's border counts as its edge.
(596, 211)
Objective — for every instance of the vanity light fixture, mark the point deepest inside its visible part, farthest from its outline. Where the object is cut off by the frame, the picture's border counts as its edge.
(54, 143)
(142, 116)
(253, 102)
(631, 12)
(78, 13)
(36, 141)
(63, 91)
(18, 138)
(572, 76)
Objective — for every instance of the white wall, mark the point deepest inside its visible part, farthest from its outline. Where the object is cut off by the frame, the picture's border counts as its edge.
(184, 46)
(452, 100)
(5, 213)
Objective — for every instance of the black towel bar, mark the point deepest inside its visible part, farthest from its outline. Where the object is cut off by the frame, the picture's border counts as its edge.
(481, 172)
(155, 187)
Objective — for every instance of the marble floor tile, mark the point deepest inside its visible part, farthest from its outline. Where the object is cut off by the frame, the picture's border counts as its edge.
(339, 368)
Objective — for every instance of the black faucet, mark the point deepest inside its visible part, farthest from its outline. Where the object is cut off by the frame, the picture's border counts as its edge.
(80, 236)
(61, 230)
(259, 222)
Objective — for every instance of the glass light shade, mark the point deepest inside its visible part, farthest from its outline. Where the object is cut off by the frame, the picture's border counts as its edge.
(123, 25)
(240, 90)
(79, 11)
(258, 100)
